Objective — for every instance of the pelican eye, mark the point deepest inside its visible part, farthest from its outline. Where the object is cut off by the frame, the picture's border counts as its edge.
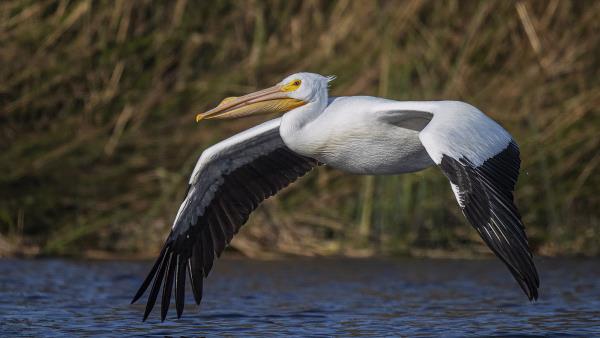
(291, 86)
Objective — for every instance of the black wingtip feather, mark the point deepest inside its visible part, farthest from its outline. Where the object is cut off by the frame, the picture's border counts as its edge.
(208, 254)
(150, 275)
(156, 285)
(486, 199)
(196, 275)
(528, 285)
(216, 232)
(180, 285)
(168, 287)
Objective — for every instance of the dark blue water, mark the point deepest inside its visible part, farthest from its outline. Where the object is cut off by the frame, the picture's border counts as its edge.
(326, 297)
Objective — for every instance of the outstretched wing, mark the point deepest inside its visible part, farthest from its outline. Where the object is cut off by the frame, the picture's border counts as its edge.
(482, 163)
(229, 181)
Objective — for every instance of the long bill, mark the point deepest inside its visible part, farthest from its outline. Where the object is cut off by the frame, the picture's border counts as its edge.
(270, 100)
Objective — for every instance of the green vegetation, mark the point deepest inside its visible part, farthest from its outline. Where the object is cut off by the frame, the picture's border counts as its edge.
(97, 103)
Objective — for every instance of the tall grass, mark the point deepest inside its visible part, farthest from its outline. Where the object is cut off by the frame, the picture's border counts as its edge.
(97, 101)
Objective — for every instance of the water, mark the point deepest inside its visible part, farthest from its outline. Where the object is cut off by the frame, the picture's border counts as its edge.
(305, 297)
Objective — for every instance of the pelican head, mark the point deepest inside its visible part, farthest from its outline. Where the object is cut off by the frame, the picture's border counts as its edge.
(294, 91)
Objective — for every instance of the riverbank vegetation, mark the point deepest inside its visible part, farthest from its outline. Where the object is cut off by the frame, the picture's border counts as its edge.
(98, 98)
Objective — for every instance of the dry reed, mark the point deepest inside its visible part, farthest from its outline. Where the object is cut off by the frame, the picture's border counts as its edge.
(97, 136)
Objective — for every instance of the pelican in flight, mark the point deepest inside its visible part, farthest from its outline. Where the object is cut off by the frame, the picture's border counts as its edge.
(356, 134)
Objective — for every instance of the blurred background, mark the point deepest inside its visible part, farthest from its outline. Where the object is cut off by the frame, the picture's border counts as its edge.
(98, 99)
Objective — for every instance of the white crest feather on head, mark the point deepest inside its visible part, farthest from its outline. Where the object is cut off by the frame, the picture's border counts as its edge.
(330, 78)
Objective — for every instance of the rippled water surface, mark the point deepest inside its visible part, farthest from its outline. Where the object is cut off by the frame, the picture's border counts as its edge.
(305, 297)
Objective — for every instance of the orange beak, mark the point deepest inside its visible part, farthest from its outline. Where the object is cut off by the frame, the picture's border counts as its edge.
(270, 100)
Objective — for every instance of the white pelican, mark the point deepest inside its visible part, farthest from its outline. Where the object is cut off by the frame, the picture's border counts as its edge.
(356, 134)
